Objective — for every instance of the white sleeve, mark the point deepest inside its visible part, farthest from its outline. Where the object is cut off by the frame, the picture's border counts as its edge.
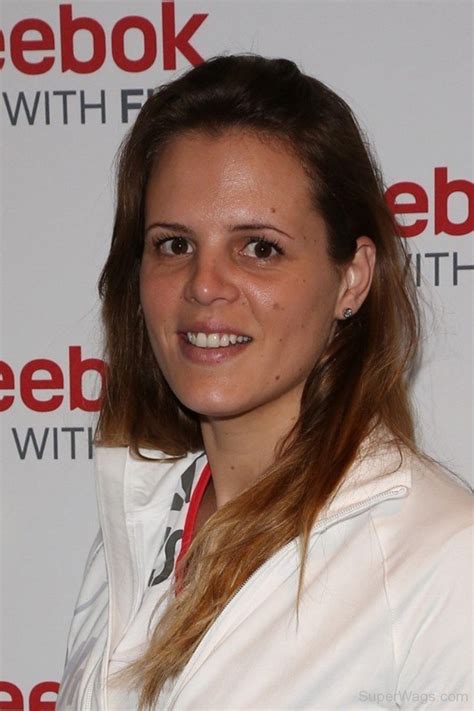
(87, 631)
(94, 550)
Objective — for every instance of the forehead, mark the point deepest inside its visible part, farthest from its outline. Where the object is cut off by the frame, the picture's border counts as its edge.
(235, 171)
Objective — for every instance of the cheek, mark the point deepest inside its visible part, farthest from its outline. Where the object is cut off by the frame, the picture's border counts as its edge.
(305, 315)
(157, 297)
(146, 284)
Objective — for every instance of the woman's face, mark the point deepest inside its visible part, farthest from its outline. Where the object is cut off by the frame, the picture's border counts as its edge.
(233, 248)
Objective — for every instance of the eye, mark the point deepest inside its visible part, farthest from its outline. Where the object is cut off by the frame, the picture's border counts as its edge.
(262, 249)
(172, 246)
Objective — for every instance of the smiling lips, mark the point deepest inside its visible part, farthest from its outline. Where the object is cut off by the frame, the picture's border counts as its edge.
(212, 347)
(215, 340)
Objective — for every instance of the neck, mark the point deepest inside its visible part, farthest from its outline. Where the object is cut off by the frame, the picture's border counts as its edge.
(240, 449)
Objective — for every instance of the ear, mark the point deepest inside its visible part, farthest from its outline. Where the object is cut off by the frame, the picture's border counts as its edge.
(356, 278)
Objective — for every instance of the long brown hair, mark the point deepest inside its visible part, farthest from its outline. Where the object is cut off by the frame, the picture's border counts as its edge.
(359, 382)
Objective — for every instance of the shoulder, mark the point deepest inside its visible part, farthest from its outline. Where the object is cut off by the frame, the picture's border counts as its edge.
(427, 548)
(435, 516)
(439, 504)
(426, 541)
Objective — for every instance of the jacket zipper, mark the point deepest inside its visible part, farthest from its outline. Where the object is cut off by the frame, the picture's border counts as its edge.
(394, 493)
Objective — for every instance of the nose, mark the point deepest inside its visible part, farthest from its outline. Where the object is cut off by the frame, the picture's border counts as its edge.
(211, 279)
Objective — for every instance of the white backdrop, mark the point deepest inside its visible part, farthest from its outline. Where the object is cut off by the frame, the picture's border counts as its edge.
(405, 66)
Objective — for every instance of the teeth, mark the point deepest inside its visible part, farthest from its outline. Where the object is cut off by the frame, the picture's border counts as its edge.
(215, 340)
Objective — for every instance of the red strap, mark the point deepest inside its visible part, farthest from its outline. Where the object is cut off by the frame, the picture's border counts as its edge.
(191, 516)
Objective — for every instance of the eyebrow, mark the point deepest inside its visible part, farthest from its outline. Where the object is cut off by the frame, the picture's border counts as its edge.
(234, 228)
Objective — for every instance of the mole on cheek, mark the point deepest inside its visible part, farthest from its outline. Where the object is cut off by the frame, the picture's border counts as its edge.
(277, 377)
(272, 209)
(277, 307)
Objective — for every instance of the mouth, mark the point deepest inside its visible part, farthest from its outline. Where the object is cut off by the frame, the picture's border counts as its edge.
(215, 340)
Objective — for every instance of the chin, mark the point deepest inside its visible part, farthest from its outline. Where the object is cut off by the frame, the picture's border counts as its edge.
(215, 405)
(214, 410)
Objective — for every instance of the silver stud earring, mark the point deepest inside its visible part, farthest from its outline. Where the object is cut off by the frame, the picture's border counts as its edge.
(347, 313)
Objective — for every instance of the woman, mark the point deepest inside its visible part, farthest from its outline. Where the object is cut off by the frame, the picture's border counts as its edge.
(271, 538)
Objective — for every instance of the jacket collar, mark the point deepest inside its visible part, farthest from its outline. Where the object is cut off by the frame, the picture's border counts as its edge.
(127, 485)
(380, 465)
(130, 487)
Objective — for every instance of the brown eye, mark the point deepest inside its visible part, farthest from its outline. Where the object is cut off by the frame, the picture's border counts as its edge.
(172, 246)
(262, 249)
(178, 245)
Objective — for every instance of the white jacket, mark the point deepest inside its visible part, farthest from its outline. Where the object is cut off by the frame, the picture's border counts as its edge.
(385, 620)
